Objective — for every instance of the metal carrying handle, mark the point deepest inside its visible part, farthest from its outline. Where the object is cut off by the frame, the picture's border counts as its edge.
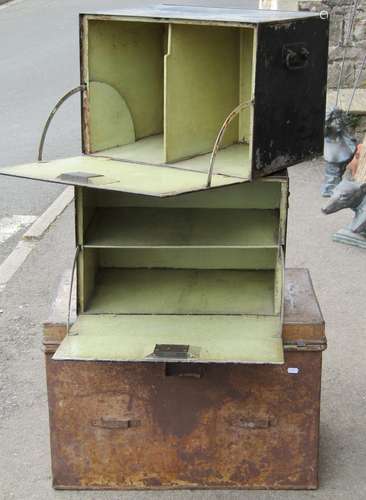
(79, 88)
(77, 251)
(296, 60)
(220, 136)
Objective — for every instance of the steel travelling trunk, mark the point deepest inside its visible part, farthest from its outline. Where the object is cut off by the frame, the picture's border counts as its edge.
(236, 93)
(183, 425)
(195, 277)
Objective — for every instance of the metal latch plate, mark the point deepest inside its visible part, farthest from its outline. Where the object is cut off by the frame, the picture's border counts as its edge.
(175, 351)
(80, 177)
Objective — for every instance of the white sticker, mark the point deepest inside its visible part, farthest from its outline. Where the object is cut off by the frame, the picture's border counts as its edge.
(293, 371)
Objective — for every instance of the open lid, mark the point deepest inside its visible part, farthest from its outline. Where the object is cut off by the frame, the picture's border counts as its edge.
(188, 338)
(125, 175)
(110, 174)
(128, 175)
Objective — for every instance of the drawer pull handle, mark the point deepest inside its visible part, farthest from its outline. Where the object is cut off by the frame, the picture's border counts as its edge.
(113, 423)
(255, 423)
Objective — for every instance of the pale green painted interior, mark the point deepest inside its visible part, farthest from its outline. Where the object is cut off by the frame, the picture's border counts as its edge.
(115, 175)
(182, 291)
(279, 282)
(84, 211)
(87, 270)
(117, 125)
(149, 227)
(233, 160)
(146, 150)
(179, 83)
(188, 258)
(221, 339)
(246, 83)
(188, 232)
(209, 260)
(257, 198)
(201, 88)
(265, 193)
(129, 56)
(209, 70)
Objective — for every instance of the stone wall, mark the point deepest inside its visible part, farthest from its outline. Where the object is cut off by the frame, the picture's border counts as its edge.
(340, 14)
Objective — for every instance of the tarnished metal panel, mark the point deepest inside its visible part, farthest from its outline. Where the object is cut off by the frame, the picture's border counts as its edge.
(139, 426)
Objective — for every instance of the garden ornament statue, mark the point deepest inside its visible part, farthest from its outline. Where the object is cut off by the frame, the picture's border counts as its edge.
(339, 148)
(351, 193)
(339, 144)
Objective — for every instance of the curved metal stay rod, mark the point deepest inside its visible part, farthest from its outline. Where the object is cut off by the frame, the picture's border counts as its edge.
(220, 136)
(79, 88)
(77, 251)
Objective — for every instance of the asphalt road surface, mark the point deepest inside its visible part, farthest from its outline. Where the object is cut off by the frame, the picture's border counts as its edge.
(38, 63)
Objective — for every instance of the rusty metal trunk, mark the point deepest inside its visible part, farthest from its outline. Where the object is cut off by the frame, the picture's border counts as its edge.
(178, 425)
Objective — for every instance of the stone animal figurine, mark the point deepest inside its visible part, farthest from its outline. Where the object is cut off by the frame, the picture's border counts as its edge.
(350, 193)
(339, 148)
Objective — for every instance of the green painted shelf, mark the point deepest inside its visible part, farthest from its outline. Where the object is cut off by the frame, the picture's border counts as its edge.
(221, 339)
(176, 227)
(233, 160)
(182, 291)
